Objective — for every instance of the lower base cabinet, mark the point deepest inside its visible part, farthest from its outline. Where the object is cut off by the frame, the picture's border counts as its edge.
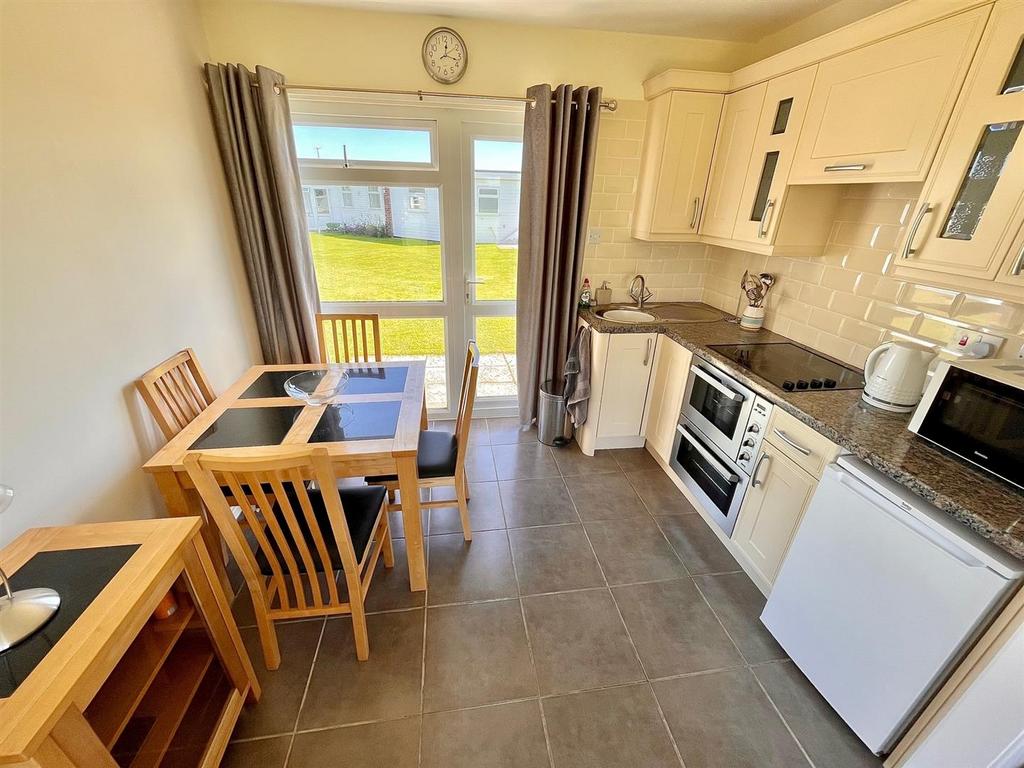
(668, 385)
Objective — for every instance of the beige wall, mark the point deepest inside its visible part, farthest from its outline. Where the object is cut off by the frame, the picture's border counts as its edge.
(841, 302)
(327, 45)
(117, 247)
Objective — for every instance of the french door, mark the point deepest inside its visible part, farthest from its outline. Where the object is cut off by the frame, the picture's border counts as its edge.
(413, 214)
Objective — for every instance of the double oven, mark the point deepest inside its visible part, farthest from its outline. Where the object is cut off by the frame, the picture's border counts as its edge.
(719, 433)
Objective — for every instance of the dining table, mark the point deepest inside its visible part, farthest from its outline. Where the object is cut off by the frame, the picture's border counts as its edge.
(370, 426)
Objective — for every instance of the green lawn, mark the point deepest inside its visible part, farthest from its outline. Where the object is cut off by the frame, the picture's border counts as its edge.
(354, 268)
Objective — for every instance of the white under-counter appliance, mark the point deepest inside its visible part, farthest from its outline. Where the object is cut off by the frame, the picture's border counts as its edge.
(717, 438)
(975, 410)
(879, 597)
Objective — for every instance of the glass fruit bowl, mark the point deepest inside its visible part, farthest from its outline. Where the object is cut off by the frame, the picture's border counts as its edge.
(317, 387)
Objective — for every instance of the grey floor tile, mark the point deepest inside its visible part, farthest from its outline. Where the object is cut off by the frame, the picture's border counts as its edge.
(660, 494)
(283, 688)
(390, 587)
(572, 461)
(502, 736)
(604, 497)
(696, 544)
(393, 744)
(480, 464)
(554, 558)
(478, 434)
(265, 753)
(536, 502)
(738, 604)
(634, 459)
(523, 461)
(484, 510)
(343, 689)
(633, 550)
(476, 654)
(397, 525)
(461, 571)
(724, 719)
(673, 629)
(579, 642)
(827, 740)
(507, 431)
(613, 728)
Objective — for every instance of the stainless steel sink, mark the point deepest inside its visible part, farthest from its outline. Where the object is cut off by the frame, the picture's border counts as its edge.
(661, 312)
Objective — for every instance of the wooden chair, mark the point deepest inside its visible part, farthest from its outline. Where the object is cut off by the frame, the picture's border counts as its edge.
(441, 456)
(297, 547)
(176, 391)
(348, 337)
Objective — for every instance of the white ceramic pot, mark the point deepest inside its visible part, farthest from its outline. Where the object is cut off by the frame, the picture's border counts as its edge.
(752, 318)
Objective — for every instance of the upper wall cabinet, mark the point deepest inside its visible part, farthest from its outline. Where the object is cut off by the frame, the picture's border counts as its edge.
(674, 164)
(877, 113)
(968, 228)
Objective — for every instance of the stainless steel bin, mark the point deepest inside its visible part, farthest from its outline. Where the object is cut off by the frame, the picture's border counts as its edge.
(553, 424)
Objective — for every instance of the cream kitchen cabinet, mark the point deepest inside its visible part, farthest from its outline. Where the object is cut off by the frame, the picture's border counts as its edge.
(668, 385)
(620, 376)
(877, 113)
(967, 229)
(784, 479)
(674, 164)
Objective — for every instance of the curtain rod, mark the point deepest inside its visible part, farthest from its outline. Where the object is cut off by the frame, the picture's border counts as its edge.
(609, 104)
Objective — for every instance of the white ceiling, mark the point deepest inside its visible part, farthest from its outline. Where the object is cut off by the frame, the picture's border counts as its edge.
(734, 20)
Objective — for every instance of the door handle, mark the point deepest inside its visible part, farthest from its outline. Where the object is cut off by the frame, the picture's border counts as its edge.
(754, 482)
(792, 443)
(701, 373)
(846, 167)
(908, 249)
(647, 353)
(762, 230)
(471, 281)
(696, 210)
(716, 465)
(1018, 265)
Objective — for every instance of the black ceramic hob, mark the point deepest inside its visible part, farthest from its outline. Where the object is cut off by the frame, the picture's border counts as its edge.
(791, 367)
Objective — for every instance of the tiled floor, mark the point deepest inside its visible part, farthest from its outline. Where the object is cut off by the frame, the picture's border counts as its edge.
(595, 621)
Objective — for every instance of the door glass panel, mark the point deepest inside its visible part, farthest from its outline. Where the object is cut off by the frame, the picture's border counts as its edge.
(976, 189)
(375, 243)
(361, 145)
(782, 116)
(496, 174)
(1015, 79)
(720, 490)
(764, 186)
(721, 411)
(419, 339)
(496, 338)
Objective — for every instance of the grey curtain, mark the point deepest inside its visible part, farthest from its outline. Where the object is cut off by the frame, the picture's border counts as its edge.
(254, 132)
(559, 145)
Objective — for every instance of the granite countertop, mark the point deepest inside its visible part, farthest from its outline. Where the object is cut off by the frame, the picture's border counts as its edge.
(980, 501)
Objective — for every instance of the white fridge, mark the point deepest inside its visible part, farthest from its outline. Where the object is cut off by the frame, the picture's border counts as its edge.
(879, 595)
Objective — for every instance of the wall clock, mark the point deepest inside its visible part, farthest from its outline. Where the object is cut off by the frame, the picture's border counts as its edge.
(445, 55)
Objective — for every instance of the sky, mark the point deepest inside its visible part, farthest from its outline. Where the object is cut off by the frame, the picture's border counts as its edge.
(397, 145)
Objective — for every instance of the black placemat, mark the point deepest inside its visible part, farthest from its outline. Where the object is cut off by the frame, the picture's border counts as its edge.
(357, 421)
(247, 427)
(78, 575)
(269, 384)
(374, 380)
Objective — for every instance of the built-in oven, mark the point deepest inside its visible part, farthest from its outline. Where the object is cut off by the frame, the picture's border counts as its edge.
(720, 429)
(975, 409)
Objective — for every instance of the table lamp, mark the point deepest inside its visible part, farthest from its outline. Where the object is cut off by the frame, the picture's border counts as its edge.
(24, 612)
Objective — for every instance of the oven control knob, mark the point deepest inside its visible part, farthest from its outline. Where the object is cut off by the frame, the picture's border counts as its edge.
(788, 385)
(830, 383)
(749, 443)
(801, 384)
(753, 428)
(816, 383)
(744, 456)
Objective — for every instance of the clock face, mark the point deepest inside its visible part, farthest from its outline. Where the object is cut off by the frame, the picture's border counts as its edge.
(445, 55)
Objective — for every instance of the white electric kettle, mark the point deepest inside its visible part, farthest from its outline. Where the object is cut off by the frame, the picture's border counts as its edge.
(895, 374)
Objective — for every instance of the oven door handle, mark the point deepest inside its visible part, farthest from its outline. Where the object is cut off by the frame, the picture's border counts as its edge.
(711, 459)
(698, 371)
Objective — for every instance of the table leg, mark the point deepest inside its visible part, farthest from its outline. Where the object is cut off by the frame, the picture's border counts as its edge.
(213, 605)
(185, 502)
(408, 485)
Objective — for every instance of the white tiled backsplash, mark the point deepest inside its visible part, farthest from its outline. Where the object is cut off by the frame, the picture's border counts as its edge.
(840, 303)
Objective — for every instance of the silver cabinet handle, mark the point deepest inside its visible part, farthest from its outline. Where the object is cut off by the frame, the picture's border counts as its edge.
(716, 465)
(754, 482)
(701, 373)
(1018, 265)
(696, 210)
(647, 353)
(792, 443)
(1014, 89)
(908, 249)
(762, 230)
(846, 167)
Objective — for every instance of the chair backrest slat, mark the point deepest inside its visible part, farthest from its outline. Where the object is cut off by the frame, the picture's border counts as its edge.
(467, 396)
(176, 391)
(349, 336)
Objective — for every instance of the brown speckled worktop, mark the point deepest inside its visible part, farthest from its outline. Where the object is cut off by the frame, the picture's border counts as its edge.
(984, 503)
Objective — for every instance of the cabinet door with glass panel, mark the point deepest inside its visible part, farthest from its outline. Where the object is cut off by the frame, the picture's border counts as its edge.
(967, 220)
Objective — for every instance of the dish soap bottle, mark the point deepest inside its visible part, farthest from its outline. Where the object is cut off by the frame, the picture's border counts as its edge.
(585, 294)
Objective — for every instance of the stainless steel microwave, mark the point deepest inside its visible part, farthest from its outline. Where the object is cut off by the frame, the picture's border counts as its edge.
(975, 410)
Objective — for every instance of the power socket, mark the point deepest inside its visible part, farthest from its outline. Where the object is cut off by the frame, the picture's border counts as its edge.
(964, 339)
(594, 236)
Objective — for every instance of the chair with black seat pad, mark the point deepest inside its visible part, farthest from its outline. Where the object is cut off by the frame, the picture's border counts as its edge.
(291, 555)
(441, 455)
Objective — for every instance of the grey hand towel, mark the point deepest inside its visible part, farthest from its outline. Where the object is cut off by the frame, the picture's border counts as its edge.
(577, 378)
